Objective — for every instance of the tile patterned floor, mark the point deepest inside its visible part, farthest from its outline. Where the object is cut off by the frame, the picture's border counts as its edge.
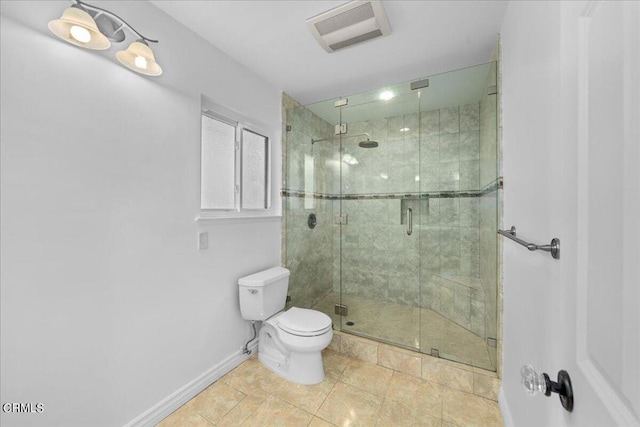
(354, 393)
(409, 326)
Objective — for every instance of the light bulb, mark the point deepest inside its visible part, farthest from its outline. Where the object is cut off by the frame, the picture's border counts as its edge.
(405, 130)
(386, 95)
(141, 62)
(80, 34)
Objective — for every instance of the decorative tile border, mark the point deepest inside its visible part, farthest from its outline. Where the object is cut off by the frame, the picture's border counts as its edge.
(495, 185)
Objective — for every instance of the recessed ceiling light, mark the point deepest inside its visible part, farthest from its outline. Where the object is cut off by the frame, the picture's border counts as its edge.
(386, 95)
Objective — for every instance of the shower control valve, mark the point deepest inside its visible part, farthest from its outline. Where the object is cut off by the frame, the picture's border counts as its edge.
(312, 221)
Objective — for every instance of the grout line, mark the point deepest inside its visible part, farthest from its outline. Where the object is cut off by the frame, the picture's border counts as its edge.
(442, 408)
(252, 412)
(325, 398)
(204, 418)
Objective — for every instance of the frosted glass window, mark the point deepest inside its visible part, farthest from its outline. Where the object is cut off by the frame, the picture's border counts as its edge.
(255, 171)
(218, 164)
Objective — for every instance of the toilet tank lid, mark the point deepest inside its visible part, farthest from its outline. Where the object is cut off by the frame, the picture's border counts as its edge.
(264, 277)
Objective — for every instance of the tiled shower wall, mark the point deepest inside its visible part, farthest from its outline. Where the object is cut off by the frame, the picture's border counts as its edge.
(308, 252)
(438, 266)
(428, 166)
(491, 183)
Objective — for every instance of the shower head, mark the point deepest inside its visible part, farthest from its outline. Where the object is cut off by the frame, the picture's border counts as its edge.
(368, 144)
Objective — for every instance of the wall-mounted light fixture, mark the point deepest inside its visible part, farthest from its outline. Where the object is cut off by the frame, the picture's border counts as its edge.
(95, 28)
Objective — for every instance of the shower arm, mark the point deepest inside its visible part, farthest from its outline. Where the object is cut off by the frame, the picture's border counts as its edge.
(313, 141)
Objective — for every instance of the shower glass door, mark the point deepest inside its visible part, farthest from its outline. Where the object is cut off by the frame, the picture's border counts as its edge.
(380, 210)
(391, 207)
(458, 246)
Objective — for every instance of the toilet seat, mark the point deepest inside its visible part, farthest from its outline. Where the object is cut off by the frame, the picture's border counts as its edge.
(304, 322)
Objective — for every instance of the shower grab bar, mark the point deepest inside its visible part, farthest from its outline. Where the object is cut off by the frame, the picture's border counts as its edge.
(409, 221)
(554, 247)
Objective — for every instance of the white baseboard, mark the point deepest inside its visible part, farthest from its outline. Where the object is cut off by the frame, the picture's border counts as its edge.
(504, 409)
(166, 406)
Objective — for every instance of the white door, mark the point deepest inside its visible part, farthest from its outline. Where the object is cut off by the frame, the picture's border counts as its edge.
(571, 132)
(607, 289)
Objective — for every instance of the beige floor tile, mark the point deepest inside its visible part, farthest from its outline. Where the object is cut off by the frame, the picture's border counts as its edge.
(367, 376)
(307, 397)
(408, 400)
(359, 349)
(466, 409)
(394, 413)
(408, 326)
(409, 351)
(416, 393)
(254, 379)
(241, 411)
(319, 422)
(335, 341)
(347, 405)
(274, 412)
(334, 363)
(184, 417)
(392, 322)
(486, 386)
(437, 371)
(458, 365)
(481, 371)
(402, 361)
(215, 401)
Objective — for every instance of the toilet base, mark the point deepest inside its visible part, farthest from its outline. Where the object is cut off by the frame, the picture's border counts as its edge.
(300, 368)
(294, 366)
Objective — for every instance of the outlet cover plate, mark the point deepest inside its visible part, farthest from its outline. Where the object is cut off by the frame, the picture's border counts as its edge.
(203, 240)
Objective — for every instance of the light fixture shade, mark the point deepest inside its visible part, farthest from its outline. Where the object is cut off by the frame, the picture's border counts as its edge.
(75, 17)
(132, 59)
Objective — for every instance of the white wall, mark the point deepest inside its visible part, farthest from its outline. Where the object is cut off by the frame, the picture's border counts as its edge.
(107, 305)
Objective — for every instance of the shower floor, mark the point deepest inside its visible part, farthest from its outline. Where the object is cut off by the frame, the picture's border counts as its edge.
(417, 328)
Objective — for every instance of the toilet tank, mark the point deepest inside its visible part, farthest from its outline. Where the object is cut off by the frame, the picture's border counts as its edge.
(263, 294)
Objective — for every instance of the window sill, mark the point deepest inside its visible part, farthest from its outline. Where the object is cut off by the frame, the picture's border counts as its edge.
(238, 219)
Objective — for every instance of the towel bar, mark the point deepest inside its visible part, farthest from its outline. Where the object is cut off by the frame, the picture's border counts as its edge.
(554, 247)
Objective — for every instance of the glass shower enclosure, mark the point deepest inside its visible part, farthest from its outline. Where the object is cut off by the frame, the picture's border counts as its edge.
(390, 201)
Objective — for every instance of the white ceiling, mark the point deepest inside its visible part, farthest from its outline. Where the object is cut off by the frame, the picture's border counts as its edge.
(270, 38)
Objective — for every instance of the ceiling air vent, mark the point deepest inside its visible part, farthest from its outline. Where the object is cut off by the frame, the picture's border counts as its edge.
(349, 24)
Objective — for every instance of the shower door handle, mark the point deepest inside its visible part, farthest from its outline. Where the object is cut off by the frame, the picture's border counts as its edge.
(409, 221)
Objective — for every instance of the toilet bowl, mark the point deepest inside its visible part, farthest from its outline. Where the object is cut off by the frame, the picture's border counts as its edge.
(290, 342)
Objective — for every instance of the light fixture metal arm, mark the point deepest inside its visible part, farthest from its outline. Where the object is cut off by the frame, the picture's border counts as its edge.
(114, 16)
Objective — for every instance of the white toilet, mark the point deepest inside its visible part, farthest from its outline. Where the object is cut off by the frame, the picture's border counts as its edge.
(290, 341)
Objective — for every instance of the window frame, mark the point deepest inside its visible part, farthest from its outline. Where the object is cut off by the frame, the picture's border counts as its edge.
(242, 125)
